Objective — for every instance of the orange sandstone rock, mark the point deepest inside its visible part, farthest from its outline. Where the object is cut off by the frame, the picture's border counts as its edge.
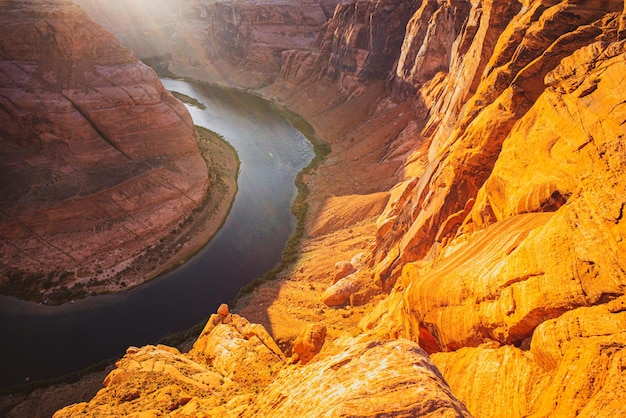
(230, 374)
(573, 368)
(361, 378)
(308, 343)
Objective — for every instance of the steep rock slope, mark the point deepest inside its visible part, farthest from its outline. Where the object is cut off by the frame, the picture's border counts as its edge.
(230, 372)
(98, 161)
(360, 43)
(513, 230)
(240, 42)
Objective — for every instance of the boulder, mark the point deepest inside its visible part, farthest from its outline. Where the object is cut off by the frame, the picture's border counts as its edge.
(308, 343)
(343, 269)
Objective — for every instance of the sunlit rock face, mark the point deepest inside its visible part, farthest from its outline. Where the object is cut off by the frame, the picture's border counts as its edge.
(470, 105)
(146, 27)
(241, 42)
(98, 161)
(509, 242)
(234, 370)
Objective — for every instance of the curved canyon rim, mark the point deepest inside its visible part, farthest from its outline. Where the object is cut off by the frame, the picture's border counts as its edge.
(249, 243)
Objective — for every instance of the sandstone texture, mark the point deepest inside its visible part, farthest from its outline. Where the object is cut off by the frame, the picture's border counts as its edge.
(233, 370)
(505, 221)
(360, 43)
(99, 162)
(240, 42)
(513, 229)
(471, 209)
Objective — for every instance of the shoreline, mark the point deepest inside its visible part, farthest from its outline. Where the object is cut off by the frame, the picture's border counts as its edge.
(197, 230)
(182, 242)
(203, 224)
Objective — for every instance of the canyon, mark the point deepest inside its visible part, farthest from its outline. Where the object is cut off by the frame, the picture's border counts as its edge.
(462, 252)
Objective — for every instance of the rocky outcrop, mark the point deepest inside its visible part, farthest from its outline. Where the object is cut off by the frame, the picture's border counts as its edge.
(308, 343)
(539, 381)
(231, 371)
(365, 378)
(101, 159)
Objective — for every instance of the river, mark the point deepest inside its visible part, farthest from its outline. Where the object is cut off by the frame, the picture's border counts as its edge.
(39, 341)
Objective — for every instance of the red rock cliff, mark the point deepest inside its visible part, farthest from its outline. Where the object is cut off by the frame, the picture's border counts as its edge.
(99, 162)
(240, 42)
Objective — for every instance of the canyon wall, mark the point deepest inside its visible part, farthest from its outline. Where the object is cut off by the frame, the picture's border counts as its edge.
(99, 162)
(145, 27)
(240, 42)
(492, 134)
(505, 251)
(236, 42)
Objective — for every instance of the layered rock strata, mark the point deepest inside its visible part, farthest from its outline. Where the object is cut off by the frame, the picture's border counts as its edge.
(99, 162)
(506, 222)
(240, 42)
(360, 43)
(514, 230)
(236, 369)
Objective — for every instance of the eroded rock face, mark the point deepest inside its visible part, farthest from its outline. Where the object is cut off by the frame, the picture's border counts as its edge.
(99, 162)
(366, 378)
(469, 116)
(540, 381)
(509, 243)
(233, 372)
(360, 43)
(240, 42)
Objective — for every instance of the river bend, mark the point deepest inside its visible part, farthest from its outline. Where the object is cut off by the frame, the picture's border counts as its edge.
(39, 341)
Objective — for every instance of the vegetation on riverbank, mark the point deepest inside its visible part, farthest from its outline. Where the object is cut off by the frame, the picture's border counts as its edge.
(300, 206)
(189, 100)
(196, 231)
